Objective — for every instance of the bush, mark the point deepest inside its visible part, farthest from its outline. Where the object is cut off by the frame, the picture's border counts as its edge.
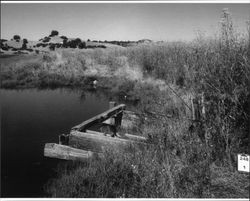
(5, 48)
(46, 39)
(82, 45)
(52, 47)
(16, 37)
(64, 37)
(25, 41)
(24, 46)
(73, 43)
(54, 33)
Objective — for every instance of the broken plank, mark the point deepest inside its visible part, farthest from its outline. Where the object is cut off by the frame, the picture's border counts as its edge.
(100, 118)
(54, 150)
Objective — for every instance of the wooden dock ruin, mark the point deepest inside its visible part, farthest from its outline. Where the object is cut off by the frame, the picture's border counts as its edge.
(83, 143)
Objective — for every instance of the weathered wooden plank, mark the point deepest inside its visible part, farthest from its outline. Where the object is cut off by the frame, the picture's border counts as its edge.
(135, 137)
(99, 133)
(53, 150)
(100, 118)
(125, 136)
(96, 143)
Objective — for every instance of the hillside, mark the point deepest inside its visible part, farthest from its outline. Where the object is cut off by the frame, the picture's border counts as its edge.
(54, 41)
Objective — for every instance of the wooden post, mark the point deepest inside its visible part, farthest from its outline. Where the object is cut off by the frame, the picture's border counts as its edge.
(115, 121)
(203, 110)
(111, 120)
(193, 109)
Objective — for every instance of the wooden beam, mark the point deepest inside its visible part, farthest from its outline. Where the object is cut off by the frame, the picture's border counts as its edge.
(98, 133)
(96, 143)
(100, 118)
(53, 150)
(125, 136)
(135, 138)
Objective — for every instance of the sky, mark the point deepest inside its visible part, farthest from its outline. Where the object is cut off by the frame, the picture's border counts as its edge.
(114, 21)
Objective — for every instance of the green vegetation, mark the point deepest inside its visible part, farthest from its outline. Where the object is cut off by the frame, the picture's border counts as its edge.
(191, 158)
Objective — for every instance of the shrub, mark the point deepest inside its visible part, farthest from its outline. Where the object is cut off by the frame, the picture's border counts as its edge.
(24, 45)
(52, 47)
(101, 46)
(16, 37)
(64, 37)
(46, 39)
(54, 33)
(82, 45)
(5, 48)
(25, 41)
(72, 43)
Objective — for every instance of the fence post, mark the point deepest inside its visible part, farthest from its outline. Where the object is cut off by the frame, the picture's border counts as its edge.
(111, 120)
(203, 109)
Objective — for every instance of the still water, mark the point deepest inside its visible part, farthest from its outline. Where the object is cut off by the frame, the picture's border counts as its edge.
(29, 119)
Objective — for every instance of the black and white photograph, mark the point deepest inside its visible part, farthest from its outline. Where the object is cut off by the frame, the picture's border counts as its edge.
(125, 99)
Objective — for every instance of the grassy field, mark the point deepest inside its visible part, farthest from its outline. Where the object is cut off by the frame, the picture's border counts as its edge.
(190, 159)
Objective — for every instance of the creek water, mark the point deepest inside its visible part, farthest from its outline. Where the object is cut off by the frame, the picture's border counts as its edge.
(29, 119)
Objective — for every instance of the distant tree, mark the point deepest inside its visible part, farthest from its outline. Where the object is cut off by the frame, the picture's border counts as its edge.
(58, 45)
(101, 46)
(64, 37)
(54, 33)
(78, 40)
(46, 39)
(24, 46)
(25, 41)
(65, 43)
(74, 43)
(52, 47)
(16, 37)
(88, 40)
(82, 45)
(3, 40)
(4, 48)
